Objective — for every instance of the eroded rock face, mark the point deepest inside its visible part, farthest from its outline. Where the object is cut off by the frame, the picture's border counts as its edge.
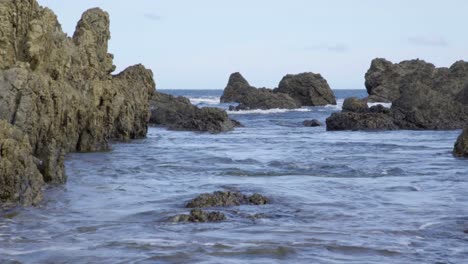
(461, 146)
(422, 96)
(227, 198)
(59, 91)
(308, 89)
(240, 91)
(179, 114)
(16, 159)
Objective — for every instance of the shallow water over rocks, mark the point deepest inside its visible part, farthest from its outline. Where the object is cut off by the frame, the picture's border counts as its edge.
(336, 197)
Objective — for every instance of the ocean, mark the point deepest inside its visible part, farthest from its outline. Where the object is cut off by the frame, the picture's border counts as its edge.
(336, 197)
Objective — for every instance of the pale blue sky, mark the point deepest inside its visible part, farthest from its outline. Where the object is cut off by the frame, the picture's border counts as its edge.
(196, 44)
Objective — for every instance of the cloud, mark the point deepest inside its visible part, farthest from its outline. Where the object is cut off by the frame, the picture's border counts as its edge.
(428, 41)
(337, 48)
(153, 16)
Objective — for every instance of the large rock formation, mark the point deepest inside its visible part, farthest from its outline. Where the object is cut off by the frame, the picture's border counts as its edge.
(461, 146)
(179, 114)
(240, 91)
(59, 91)
(306, 89)
(422, 96)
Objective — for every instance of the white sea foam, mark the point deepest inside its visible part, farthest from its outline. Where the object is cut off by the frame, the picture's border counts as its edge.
(209, 100)
(269, 111)
(387, 105)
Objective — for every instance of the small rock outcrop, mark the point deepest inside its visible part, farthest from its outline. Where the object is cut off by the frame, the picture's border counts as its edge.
(308, 89)
(226, 198)
(294, 91)
(59, 91)
(178, 113)
(312, 123)
(422, 96)
(356, 105)
(199, 216)
(461, 145)
(240, 91)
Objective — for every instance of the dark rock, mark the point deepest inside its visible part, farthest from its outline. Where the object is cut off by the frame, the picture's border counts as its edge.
(356, 105)
(461, 146)
(308, 89)
(222, 199)
(59, 92)
(312, 123)
(199, 216)
(360, 121)
(422, 96)
(240, 91)
(178, 113)
(258, 199)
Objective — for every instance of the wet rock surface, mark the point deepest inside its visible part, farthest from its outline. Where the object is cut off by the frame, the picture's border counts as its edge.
(199, 216)
(461, 145)
(226, 198)
(178, 113)
(422, 96)
(295, 91)
(59, 91)
(220, 200)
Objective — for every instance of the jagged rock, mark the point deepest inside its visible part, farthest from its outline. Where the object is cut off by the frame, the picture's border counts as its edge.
(199, 216)
(240, 91)
(179, 114)
(461, 146)
(20, 180)
(312, 123)
(356, 105)
(59, 91)
(308, 89)
(385, 81)
(423, 97)
(220, 199)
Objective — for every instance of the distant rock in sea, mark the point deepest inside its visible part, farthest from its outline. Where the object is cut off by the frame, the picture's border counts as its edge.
(461, 146)
(57, 92)
(178, 113)
(312, 123)
(306, 89)
(422, 96)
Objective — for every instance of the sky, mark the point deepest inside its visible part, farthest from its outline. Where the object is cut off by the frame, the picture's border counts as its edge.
(197, 44)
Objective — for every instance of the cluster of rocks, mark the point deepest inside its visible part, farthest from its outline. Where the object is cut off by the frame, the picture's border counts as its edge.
(216, 200)
(422, 97)
(178, 113)
(305, 89)
(57, 95)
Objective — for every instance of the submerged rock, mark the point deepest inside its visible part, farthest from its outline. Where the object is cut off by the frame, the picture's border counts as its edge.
(199, 216)
(422, 96)
(461, 145)
(240, 91)
(308, 89)
(178, 113)
(305, 89)
(312, 123)
(227, 198)
(59, 91)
